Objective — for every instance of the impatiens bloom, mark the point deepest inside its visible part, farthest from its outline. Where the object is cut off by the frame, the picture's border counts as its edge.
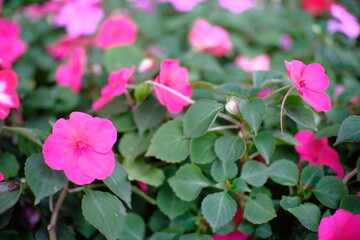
(116, 86)
(1, 177)
(344, 22)
(259, 63)
(8, 96)
(340, 226)
(11, 46)
(65, 46)
(116, 31)
(209, 39)
(311, 82)
(144, 5)
(176, 78)
(317, 151)
(316, 7)
(80, 17)
(183, 5)
(35, 11)
(236, 235)
(70, 74)
(82, 147)
(237, 6)
(264, 93)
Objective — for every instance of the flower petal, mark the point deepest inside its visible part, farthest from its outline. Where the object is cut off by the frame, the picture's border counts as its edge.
(315, 77)
(309, 148)
(75, 175)
(294, 70)
(58, 151)
(319, 101)
(329, 157)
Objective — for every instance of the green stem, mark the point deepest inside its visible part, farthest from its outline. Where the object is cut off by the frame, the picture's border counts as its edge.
(223, 127)
(143, 195)
(282, 108)
(349, 176)
(276, 91)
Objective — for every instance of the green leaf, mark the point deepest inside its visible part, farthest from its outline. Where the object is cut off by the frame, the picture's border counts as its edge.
(284, 172)
(260, 78)
(349, 130)
(253, 111)
(124, 122)
(123, 56)
(42, 180)
(30, 134)
(119, 184)
(311, 175)
(188, 182)
(350, 203)
(285, 137)
(170, 204)
(265, 144)
(133, 145)
(195, 236)
(246, 227)
(308, 214)
(240, 185)
(221, 171)
(200, 116)
(140, 171)
(202, 149)
(169, 144)
(311, 236)
(162, 236)
(218, 209)
(255, 173)
(9, 166)
(229, 148)
(105, 212)
(329, 131)
(263, 231)
(134, 228)
(296, 110)
(9, 194)
(259, 209)
(287, 202)
(329, 191)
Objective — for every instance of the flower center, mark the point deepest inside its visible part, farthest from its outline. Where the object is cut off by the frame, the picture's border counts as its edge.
(302, 84)
(80, 145)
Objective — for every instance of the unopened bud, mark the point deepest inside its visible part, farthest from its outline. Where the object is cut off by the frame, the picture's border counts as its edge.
(141, 91)
(232, 105)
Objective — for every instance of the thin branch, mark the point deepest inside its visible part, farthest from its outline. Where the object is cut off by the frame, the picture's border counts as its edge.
(276, 91)
(143, 195)
(223, 127)
(228, 118)
(282, 108)
(129, 100)
(349, 176)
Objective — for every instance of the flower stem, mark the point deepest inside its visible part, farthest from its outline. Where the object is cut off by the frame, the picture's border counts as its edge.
(282, 108)
(230, 119)
(276, 91)
(223, 127)
(349, 176)
(143, 195)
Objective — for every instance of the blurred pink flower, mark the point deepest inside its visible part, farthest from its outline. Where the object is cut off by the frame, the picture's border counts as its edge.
(1, 177)
(285, 42)
(143, 186)
(82, 147)
(8, 96)
(317, 151)
(311, 82)
(237, 6)
(358, 194)
(32, 216)
(183, 5)
(176, 78)
(80, 17)
(66, 45)
(209, 39)
(11, 46)
(259, 63)
(340, 226)
(339, 89)
(344, 22)
(1, 3)
(116, 31)
(144, 5)
(71, 73)
(116, 86)
(147, 64)
(236, 235)
(35, 11)
(264, 93)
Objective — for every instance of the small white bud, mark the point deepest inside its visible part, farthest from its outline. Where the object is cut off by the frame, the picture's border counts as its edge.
(232, 105)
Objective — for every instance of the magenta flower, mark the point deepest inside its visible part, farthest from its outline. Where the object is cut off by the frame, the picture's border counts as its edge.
(310, 81)
(340, 226)
(264, 93)
(183, 5)
(237, 6)
(344, 22)
(35, 12)
(80, 17)
(66, 45)
(11, 46)
(259, 63)
(116, 86)
(82, 147)
(8, 96)
(1, 177)
(70, 74)
(209, 39)
(173, 77)
(317, 151)
(116, 31)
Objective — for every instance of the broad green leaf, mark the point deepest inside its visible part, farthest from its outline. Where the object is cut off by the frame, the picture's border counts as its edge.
(246, 227)
(124, 56)
(311, 236)
(141, 171)
(264, 190)
(221, 171)
(202, 149)
(133, 145)
(42, 180)
(229, 148)
(253, 111)
(255, 173)
(169, 144)
(311, 175)
(158, 221)
(287, 202)
(329, 131)
(329, 191)
(285, 137)
(218, 209)
(186, 220)
(263, 231)
(31, 134)
(170, 204)
(9, 194)
(134, 228)
(200, 116)
(337, 114)
(124, 122)
(195, 236)
(240, 185)
(105, 212)
(188, 182)
(350, 203)
(349, 130)
(265, 144)
(284, 172)
(308, 214)
(259, 209)
(9, 166)
(260, 78)
(162, 236)
(119, 184)
(296, 110)
(227, 228)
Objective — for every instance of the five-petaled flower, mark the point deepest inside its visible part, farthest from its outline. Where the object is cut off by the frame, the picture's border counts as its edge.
(82, 147)
(8, 96)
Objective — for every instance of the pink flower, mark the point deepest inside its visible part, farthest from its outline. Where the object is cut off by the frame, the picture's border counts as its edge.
(80, 17)
(236, 235)
(70, 74)
(236, 6)
(66, 45)
(174, 77)
(339, 89)
(310, 82)
(344, 22)
(116, 86)
(35, 11)
(1, 2)
(184, 5)
(264, 93)
(259, 63)
(116, 31)
(209, 39)
(11, 46)
(32, 217)
(82, 147)
(143, 186)
(1, 177)
(8, 96)
(340, 226)
(317, 151)
(144, 5)
(285, 42)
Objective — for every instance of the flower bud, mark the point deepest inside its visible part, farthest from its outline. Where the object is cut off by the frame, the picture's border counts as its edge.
(232, 105)
(141, 91)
